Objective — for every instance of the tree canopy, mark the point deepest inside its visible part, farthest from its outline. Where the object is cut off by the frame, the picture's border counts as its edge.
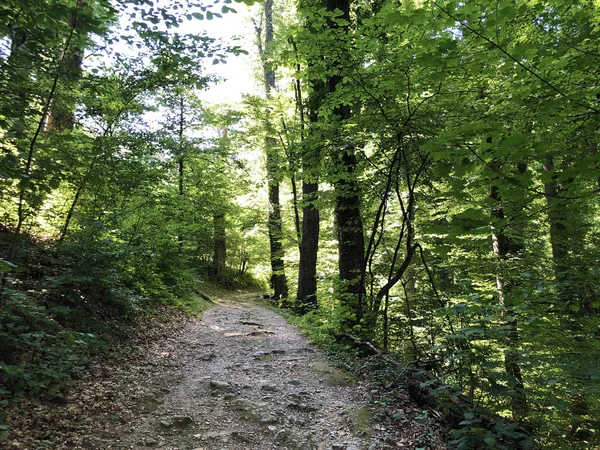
(420, 175)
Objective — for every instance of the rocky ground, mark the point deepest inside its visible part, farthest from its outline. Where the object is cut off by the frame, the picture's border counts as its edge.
(241, 378)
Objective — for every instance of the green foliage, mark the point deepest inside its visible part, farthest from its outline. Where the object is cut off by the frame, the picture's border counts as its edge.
(504, 436)
(476, 127)
(40, 355)
(108, 215)
(319, 327)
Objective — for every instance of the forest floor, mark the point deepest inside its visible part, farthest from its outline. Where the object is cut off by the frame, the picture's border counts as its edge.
(240, 378)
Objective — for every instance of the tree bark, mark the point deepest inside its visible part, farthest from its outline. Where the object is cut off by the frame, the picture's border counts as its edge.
(559, 235)
(351, 244)
(181, 168)
(21, 205)
(278, 278)
(501, 248)
(306, 298)
(307, 230)
(296, 210)
(61, 116)
(219, 245)
(181, 155)
(65, 228)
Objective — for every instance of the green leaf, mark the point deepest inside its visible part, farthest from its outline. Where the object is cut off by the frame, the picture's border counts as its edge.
(6, 265)
(471, 213)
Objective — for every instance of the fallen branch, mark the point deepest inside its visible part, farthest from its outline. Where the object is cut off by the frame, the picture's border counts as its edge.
(374, 350)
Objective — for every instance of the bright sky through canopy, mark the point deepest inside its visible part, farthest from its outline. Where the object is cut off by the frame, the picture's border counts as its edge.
(234, 29)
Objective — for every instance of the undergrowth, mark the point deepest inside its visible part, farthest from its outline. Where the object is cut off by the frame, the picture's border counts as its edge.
(392, 376)
(62, 308)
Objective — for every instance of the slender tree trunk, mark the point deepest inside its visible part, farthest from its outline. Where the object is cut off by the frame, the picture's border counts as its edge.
(409, 214)
(65, 228)
(351, 244)
(293, 166)
(559, 235)
(21, 204)
(181, 156)
(278, 278)
(293, 169)
(563, 244)
(568, 228)
(61, 116)
(306, 297)
(307, 271)
(296, 210)
(501, 249)
(181, 169)
(219, 245)
(243, 262)
(375, 236)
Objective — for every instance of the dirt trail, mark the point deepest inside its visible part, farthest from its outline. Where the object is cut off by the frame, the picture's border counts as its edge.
(242, 378)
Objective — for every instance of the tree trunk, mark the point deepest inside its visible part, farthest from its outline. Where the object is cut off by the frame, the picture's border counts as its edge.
(559, 235)
(61, 116)
(292, 162)
(219, 245)
(295, 207)
(306, 298)
(351, 245)
(278, 278)
(181, 156)
(65, 228)
(181, 170)
(21, 204)
(308, 229)
(501, 249)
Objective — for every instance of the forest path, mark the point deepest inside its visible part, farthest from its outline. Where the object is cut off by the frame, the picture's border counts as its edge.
(244, 378)
(241, 378)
